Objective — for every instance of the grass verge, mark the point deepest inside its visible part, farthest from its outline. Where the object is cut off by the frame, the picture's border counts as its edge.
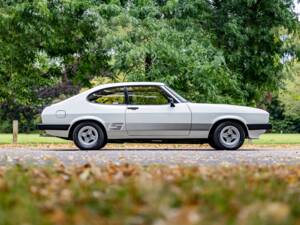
(157, 195)
(273, 139)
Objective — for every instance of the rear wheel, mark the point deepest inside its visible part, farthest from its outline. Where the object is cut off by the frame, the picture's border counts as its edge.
(228, 136)
(211, 143)
(89, 136)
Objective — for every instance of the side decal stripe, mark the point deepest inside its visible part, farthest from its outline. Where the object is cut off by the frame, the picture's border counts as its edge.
(167, 126)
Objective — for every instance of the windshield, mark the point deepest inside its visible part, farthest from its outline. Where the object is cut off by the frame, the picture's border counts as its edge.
(175, 94)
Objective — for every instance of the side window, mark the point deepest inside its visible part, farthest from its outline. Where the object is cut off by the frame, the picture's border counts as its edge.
(146, 95)
(110, 96)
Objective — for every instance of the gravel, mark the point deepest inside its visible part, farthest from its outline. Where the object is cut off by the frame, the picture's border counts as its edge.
(201, 157)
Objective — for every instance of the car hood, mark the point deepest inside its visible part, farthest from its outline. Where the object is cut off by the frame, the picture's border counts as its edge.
(224, 108)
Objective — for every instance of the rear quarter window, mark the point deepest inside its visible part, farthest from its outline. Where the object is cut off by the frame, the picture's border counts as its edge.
(108, 96)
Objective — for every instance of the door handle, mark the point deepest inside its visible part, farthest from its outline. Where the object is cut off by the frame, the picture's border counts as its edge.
(133, 107)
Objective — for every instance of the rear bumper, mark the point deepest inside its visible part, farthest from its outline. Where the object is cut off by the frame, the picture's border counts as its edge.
(53, 126)
(266, 126)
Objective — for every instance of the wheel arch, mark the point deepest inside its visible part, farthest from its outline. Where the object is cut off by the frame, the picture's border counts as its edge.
(75, 123)
(225, 119)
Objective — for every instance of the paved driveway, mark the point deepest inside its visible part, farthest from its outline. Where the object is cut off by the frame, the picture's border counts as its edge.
(149, 156)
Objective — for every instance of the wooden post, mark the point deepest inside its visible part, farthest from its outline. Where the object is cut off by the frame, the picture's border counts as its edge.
(15, 131)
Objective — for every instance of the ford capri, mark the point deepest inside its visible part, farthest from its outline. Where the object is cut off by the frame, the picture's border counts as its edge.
(149, 112)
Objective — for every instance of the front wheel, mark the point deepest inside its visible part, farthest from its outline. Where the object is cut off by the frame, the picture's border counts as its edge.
(89, 136)
(228, 136)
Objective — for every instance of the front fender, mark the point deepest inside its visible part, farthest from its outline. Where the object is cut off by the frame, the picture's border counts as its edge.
(230, 117)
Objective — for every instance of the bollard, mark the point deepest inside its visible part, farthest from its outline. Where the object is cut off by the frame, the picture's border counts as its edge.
(15, 131)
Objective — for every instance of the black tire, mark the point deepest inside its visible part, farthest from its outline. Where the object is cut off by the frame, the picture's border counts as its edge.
(211, 142)
(99, 142)
(220, 144)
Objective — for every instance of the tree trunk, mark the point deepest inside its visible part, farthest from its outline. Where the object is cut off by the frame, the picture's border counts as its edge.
(148, 64)
(65, 75)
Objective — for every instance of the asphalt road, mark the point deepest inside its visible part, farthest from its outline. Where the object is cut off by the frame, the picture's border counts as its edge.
(202, 157)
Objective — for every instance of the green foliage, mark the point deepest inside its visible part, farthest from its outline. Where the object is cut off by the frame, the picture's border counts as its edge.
(287, 125)
(285, 106)
(290, 95)
(45, 46)
(281, 122)
(174, 50)
(217, 51)
(254, 44)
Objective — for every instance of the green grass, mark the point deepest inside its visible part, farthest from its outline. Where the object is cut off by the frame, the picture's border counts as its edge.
(37, 139)
(278, 139)
(31, 139)
(133, 195)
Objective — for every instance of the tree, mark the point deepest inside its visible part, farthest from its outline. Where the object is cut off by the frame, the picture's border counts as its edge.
(290, 95)
(216, 51)
(48, 48)
(21, 27)
(159, 42)
(249, 32)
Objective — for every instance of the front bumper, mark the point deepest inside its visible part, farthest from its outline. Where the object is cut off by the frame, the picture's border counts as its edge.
(53, 126)
(266, 126)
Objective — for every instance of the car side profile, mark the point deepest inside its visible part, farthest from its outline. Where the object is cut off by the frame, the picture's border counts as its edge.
(149, 112)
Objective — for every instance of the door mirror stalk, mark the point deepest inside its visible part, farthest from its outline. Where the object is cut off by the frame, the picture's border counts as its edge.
(171, 101)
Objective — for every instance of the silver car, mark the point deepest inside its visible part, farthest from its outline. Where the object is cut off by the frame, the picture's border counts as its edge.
(149, 112)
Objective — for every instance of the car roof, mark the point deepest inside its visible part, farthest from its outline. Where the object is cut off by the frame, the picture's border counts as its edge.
(120, 84)
(128, 84)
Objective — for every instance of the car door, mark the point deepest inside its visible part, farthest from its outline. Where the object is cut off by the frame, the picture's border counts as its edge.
(149, 113)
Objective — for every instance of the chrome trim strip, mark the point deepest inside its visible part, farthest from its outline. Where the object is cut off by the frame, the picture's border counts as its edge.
(167, 91)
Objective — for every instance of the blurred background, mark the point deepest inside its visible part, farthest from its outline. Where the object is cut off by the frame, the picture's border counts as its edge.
(236, 52)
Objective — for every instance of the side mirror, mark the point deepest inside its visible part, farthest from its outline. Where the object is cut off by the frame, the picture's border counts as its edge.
(171, 101)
